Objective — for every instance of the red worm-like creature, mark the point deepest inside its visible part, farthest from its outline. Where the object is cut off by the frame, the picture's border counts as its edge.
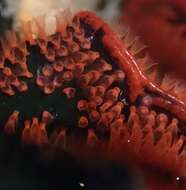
(83, 91)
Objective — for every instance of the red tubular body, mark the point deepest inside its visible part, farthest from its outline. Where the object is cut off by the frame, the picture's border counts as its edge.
(137, 82)
(117, 51)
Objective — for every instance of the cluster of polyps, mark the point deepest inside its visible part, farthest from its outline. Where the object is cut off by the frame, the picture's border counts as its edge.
(67, 56)
(72, 65)
(13, 66)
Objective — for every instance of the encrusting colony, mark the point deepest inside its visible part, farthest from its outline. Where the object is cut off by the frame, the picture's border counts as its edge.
(116, 108)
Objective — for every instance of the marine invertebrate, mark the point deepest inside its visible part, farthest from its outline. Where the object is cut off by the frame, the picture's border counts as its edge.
(83, 91)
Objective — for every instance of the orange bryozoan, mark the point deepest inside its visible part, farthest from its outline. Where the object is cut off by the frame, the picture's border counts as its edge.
(82, 89)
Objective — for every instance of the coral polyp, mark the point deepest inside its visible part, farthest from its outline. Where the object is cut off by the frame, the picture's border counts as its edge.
(81, 89)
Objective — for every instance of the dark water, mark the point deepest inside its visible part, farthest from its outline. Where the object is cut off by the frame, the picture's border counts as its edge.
(20, 169)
